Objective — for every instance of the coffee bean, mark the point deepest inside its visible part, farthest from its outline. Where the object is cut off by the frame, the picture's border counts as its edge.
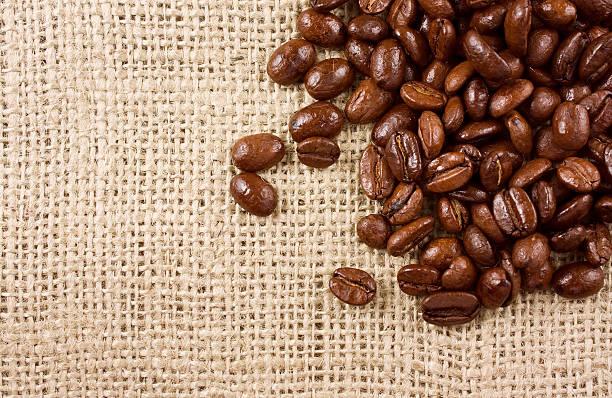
(368, 28)
(598, 247)
(578, 174)
(516, 65)
(545, 147)
(572, 212)
(520, 132)
(414, 43)
(453, 115)
(431, 134)
(352, 286)
(404, 204)
(537, 278)
(574, 92)
(374, 6)
(596, 60)
(450, 308)
(320, 119)
(322, 28)
(418, 280)
(517, 25)
(577, 280)
(329, 78)
(602, 120)
(594, 10)
(402, 13)
(543, 103)
(509, 97)
(603, 208)
(476, 99)
(478, 247)
(403, 156)
(253, 194)
(530, 172)
(400, 117)
(531, 251)
(512, 273)
(484, 58)
(448, 172)
(596, 31)
(483, 219)
(566, 58)
(368, 102)
(540, 77)
(453, 215)
(470, 193)
(387, 64)
(569, 240)
(514, 212)
(438, 8)
(461, 274)
(470, 151)
(406, 238)
(442, 38)
(495, 170)
(257, 152)
(493, 287)
(605, 83)
(435, 74)
(290, 62)
(544, 200)
(358, 53)
(599, 146)
(488, 20)
(319, 152)
(505, 146)
(421, 97)
(375, 177)
(570, 126)
(440, 252)
(555, 13)
(477, 3)
(458, 76)
(475, 132)
(541, 46)
(374, 231)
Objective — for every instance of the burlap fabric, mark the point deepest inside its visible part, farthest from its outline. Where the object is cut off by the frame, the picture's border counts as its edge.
(128, 270)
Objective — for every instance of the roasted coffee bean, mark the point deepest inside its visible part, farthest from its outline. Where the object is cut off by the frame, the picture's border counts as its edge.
(555, 13)
(483, 219)
(418, 280)
(440, 252)
(470, 193)
(402, 13)
(326, 5)
(530, 172)
(597, 245)
(541, 47)
(431, 134)
(442, 39)
(509, 97)
(388, 64)
(561, 192)
(595, 10)
(605, 83)
(569, 240)
(421, 96)
(368, 28)
(493, 288)
(375, 177)
(412, 71)
(453, 115)
(319, 152)
(512, 273)
(322, 28)
(596, 31)
(475, 132)
(476, 99)
(520, 132)
(572, 212)
(404, 204)
(603, 208)
(329, 78)
(448, 172)
(358, 53)
(488, 20)
(478, 247)
(414, 43)
(321, 119)
(450, 308)
(506, 146)
(353, 286)
(537, 278)
(495, 170)
(543, 103)
(545, 147)
(575, 92)
(599, 108)
(253, 194)
(461, 274)
(577, 280)
(484, 58)
(543, 198)
(368, 102)
(531, 251)
(374, 6)
(458, 76)
(599, 146)
(471, 151)
(438, 8)
(516, 65)
(517, 25)
(400, 117)
(566, 58)
(290, 62)
(514, 212)
(435, 74)
(257, 152)
(406, 238)
(578, 174)
(453, 215)
(374, 231)
(404, 156)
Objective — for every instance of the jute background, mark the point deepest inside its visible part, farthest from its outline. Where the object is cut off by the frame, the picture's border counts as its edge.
(127, 269)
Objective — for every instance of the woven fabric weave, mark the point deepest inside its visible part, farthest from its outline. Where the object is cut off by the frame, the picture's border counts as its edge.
(128, 270)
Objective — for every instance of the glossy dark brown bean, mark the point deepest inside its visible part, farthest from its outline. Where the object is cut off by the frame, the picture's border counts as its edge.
(516, 65)
(388, 64)
(418, 280)
(290, 62)
(512, 273)
(544, 200)
(577, 280)
(352, 286)
(566, 58)
(495, 170)
(431, 134)
(442, 39)
(555, 13)
(483, 219)
(414, 43)
(458, 76)
(368, 28)
(253, 194)
(509, 97)
(461, 274)
(406, 238)
(543, 103)
(595, 10)
(329, 78)
(440, 252)
(599, 147)
(478, 247)
(453, 215)
(402, 13)
(569, 240)
(531, 251)
(326, 5)
(603, 208)
(541, 47)
(358, 53)
(476, 99)
(484, 58)
(571, 212)
(596, 31)
(450, 308)
(540, 77)
(506, 146)
(368, 102)
(404, 156)
(599, 108)
(488, 20)
(375, 177)
(574, 92)
(422, 97)
(537, 278)
(374, 231)
(400, 117)
(493, 288)
(514, 212)
(545, 147)
(470, 193)
(453, 115)
(597, 245)
(319, 152)
(605, 83)
(561, 192)
(475, 132)
(435, 74)
(578, 174)
(257, 152)
(374, 6)
(520, 132)
(320, 119)
(322, 28)
(438, 8)
(404, 204)
(530, 172)
(517, 25)
(448, 172)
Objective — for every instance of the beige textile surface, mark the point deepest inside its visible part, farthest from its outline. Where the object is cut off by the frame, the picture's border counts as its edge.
(127, 269)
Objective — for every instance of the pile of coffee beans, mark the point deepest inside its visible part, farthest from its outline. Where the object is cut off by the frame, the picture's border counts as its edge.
(499, 111)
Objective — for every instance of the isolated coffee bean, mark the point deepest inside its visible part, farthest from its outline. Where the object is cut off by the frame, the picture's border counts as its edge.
(375, 177)
(319, 152)
(544, 200)
(404, 156)
(495, 170)
(438, 8)
(470, 193)
(374, 231)
(358, 53)
(453, 215)
(388, 64)
(418, 280)
(493, 287)
(520, 132)
(414, 44)
(257, 152)
(574, 92)
(353, 286)
(572, 212)
(454, 115)
(578, 174)
(543, 103)
(442, 38)
(431, 134)
(512, 273)
(530, 172)
(475, 132)
(537, 278)
(450, 308)
(400, 117)
(596, 60)
(290, 62)
(435, 74)
(421, 97)
(374, 6)
(577, 280)
(514, 212)
(517, 25)
(326, 5)
(483, 219)
(448, 172)
(402, 13)
(322, 28)
(476, 99)
(253, 194)
(598, 246)
(406, 238)
(404, 204)
(368, 28)
(488, 20)
(461, 274)
(555, 13)
(603, 208)
(509, 97)
(531, 251)
(541, 46)
(440, 252)
(545, 147)
(484, 58)
(329, 78)
(478, 247)
(320, 119)
(368, 102)
(566, 58)
(569, 240)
